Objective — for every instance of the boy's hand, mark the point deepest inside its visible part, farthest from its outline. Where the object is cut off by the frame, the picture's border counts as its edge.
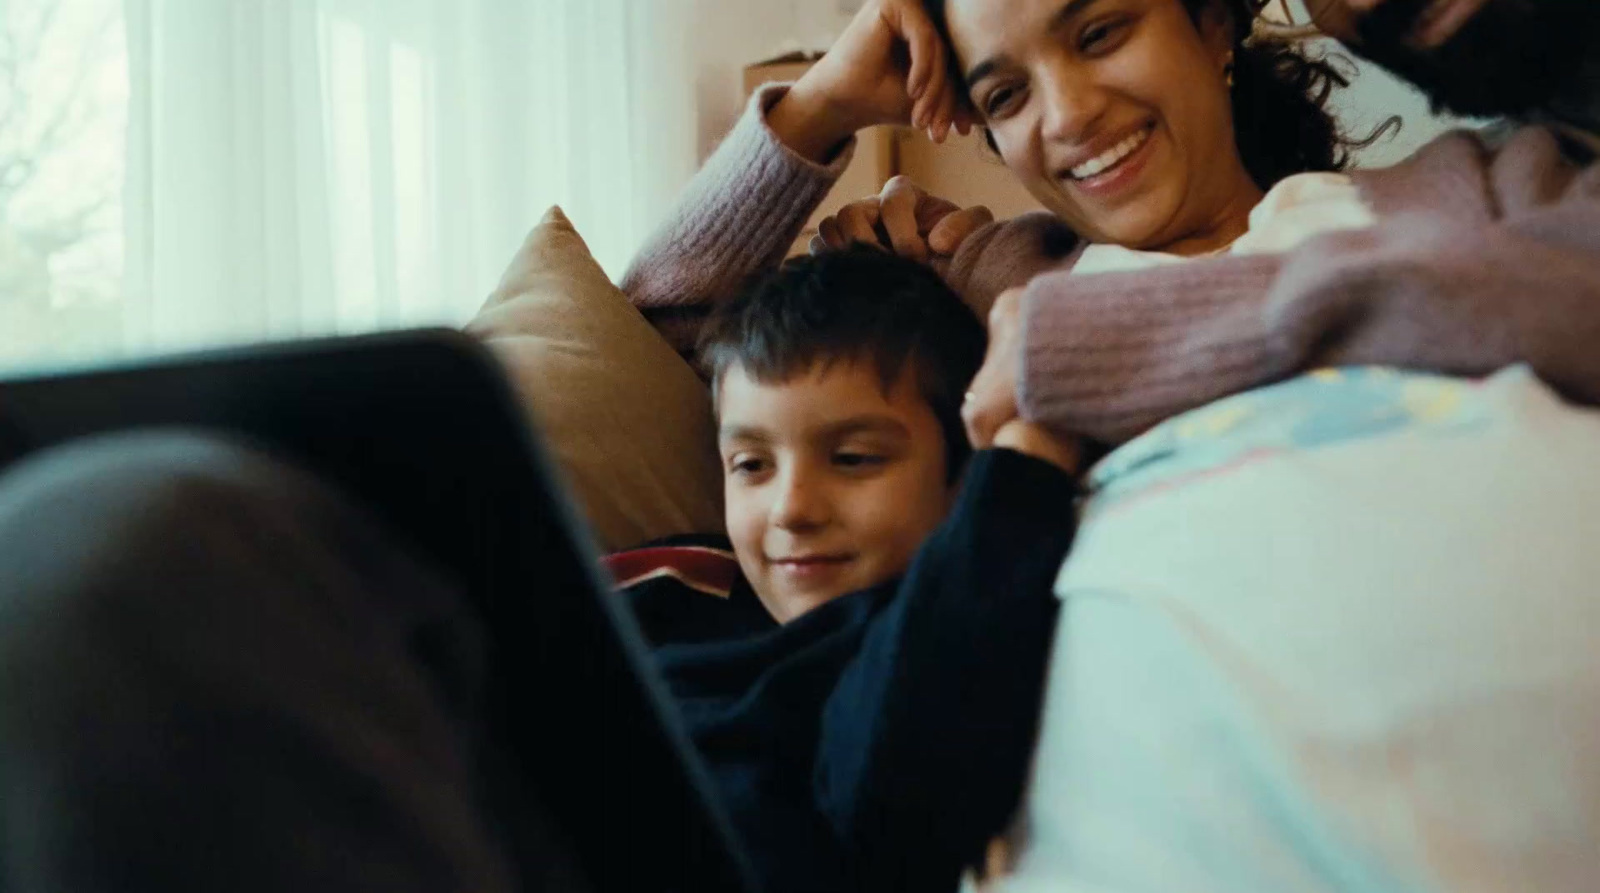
(1039, 442)
(905, 219)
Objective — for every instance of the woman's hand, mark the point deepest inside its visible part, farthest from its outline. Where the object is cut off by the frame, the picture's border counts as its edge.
(991, 411)
(905, 219)
(996, 865)
(888, 67)
(991, 401)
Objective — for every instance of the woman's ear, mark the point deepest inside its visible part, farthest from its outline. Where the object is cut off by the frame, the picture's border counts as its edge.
(1217, 26)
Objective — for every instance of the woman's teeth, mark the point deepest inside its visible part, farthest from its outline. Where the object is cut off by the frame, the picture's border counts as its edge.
(1111, 157)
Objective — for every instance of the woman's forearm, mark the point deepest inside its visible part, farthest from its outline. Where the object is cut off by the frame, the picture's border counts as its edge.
(806, 122)
(1461, 291)
(738, 216)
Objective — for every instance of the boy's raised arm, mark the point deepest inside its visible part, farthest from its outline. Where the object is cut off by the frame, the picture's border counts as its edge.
(927, 738)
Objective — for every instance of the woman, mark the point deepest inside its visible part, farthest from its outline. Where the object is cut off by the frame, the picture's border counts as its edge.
(1162, 80)
(1133, 123)
(1250, 317)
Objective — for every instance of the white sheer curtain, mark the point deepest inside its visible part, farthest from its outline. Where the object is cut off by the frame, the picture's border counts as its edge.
(301, 167)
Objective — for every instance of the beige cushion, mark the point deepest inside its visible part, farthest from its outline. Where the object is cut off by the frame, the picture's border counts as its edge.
(627, 418)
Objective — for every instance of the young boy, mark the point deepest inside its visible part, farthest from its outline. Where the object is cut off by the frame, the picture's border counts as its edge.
(838, 681)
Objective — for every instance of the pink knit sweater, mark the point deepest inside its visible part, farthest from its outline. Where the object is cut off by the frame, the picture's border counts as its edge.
(1481, 258)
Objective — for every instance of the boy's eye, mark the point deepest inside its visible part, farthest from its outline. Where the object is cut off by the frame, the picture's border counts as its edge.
(858, 460)
(747, 466)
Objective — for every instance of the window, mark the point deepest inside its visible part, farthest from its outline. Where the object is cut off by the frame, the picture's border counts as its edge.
(63, 111)
(180, 174)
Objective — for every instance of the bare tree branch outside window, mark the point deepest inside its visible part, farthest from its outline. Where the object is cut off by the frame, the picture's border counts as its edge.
(63, 110)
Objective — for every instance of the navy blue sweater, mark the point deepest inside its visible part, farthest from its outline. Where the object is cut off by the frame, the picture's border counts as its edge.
(880, 740)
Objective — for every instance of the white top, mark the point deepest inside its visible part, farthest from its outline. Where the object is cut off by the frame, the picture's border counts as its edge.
(1338, 634)
(1296, 209)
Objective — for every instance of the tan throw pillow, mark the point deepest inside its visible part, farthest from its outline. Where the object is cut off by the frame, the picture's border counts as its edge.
(626, 417)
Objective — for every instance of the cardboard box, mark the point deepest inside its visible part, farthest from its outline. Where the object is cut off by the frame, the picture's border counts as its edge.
(964, 170)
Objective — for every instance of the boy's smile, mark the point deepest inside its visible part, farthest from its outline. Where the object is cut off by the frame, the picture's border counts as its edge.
(832, 481)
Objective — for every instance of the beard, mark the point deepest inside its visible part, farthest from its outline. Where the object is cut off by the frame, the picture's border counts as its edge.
(1513, 57)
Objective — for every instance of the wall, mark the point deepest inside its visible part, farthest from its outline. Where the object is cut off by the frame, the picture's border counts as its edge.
(730, 34)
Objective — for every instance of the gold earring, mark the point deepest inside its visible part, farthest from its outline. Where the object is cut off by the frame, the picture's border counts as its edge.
(1227, 69)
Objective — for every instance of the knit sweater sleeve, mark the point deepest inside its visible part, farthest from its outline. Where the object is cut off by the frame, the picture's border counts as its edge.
(736, 218)
(1479, 260)
(1008, 254)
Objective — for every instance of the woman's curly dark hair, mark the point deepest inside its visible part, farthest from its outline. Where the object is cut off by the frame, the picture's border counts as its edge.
(1280, 97)
(1280, 101)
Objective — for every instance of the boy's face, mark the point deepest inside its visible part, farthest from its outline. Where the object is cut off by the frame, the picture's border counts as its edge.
(831, 483)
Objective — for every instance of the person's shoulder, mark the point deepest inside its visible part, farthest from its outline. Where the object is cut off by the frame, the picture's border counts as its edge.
(1544, 134)
(1481, 174)
(1449, 175)
(1458, 147)
(1540, 140)
(1473, 172)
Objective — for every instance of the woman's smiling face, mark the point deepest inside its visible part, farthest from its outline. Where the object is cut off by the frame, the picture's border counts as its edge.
(1115, 114)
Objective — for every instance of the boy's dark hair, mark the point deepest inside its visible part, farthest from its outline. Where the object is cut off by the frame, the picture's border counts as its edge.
(857, 303)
